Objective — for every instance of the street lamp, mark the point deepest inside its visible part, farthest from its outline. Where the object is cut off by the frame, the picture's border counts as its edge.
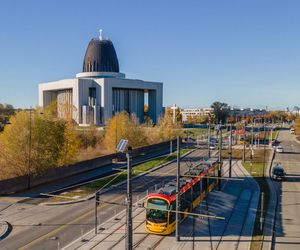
(29, 149)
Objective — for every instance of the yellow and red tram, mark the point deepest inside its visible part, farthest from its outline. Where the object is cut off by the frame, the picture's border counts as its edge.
(194, 186)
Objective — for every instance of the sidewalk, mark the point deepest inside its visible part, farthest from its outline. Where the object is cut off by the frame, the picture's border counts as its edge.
(239, 198)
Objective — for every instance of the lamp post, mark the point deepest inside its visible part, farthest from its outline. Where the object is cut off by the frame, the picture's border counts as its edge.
(230, 151)
(29, 150)
(209, 138)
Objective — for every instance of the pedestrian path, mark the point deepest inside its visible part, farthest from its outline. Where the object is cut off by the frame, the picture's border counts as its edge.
(237, 202)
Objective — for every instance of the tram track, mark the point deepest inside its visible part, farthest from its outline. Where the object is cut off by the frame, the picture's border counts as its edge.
(220, 241)
(115, 230)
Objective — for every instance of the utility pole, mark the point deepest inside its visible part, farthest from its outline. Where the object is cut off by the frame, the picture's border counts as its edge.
(244, 144)
(230, 151)
(264, 148)
(29, 149)
(252, 134)
(97, 203)
(220, 157)
(129, 200)
(208, 142)
(262, 211)
(178, 190)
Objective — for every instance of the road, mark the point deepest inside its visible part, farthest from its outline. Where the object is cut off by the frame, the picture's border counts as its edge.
(287, 227)
(43, 227)
(236, 202)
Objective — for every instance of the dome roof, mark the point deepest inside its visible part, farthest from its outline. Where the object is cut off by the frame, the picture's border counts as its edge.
(100, 56)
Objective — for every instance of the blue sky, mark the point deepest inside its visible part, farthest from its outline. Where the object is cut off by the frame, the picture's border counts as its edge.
(245, 53)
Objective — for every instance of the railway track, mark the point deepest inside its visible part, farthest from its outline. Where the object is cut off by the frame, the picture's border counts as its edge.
(248, 202)
(220, 242)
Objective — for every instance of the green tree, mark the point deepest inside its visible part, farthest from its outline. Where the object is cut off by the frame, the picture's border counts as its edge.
(221, 111)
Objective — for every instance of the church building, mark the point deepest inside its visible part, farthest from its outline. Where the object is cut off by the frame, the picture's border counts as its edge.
(101, 90)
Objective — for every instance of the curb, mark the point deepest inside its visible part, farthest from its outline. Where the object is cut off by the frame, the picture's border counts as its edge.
(5, 229)
(118, 184)
(296, 140)
(251, 214)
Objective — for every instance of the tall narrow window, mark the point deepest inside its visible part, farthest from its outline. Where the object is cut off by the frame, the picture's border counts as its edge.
(92, 97)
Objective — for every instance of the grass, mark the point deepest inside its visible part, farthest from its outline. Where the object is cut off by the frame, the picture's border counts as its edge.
(195, 132)
(90, 188)
(256, 169)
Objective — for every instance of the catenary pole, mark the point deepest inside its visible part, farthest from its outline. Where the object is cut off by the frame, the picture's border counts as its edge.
(178, 190)
(220, 157)
(208, 143)
(29, 148)
(230, 151)
(129, 200)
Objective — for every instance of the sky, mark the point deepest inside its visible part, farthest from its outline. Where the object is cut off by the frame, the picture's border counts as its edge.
(245, 53)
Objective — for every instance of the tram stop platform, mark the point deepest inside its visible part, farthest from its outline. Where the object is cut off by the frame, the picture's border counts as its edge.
(237, 202)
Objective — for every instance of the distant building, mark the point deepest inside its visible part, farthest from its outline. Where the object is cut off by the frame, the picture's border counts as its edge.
(100, 90)
(241, 112)
(195, 113)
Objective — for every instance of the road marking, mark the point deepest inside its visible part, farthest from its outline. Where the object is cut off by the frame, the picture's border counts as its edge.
(59, 229)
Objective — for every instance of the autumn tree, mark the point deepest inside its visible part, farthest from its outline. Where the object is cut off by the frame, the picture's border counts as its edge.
(123, 126)
(35, 141)
(297, 126)
(165, 130)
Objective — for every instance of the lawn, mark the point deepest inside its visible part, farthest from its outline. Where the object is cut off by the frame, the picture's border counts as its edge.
(194, 132)
(92, 187)
(256, 169)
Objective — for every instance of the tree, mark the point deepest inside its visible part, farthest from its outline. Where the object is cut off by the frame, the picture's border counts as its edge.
(178, 115)
(165, 130)
(6, 110)
(123, 126)
(34, 142)
(221, 111)
(297, 126)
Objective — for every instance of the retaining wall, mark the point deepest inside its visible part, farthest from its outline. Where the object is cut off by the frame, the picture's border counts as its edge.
(21, 183)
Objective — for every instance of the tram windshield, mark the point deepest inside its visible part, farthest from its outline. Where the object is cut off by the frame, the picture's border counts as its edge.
(155, 211)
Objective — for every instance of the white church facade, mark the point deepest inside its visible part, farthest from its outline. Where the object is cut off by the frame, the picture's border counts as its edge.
(100, 90)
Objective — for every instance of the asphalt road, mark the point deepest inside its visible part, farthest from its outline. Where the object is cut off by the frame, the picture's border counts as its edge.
(44, 227)
(236, 202)
(287, 227)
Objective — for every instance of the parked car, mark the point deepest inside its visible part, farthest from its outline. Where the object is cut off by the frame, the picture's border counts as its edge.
(212, 147)
(292, 131)
(279, 149)
(278, 172)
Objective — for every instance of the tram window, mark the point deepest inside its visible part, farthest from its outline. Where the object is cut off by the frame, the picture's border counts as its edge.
(155, 210)
(182, 201)
(204, 185)
(185, 199)
(188, 197)
(196, 190)
(172, 215)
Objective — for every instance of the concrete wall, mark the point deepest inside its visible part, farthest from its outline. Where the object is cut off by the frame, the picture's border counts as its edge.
(21, 183)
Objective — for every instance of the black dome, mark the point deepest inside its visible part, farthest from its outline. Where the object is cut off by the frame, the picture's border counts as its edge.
(100, 56)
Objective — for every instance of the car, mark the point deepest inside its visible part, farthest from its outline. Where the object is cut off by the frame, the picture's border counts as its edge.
(279, 149)
(213, 140)
(292, 131)
(278, 172)
(212, 147)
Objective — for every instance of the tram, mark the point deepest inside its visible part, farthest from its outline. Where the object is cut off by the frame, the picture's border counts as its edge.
(194, 186)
